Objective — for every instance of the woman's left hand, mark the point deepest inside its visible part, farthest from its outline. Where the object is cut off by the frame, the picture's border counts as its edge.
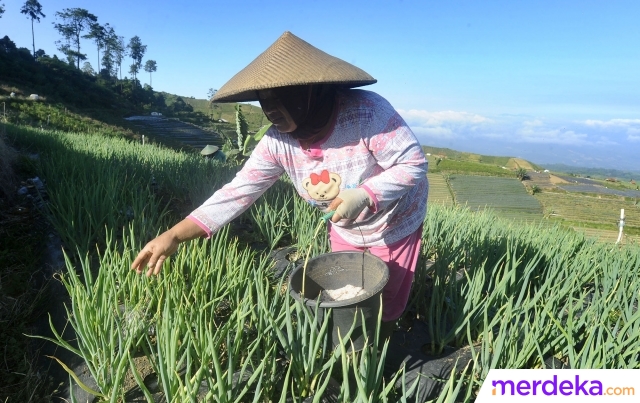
(349, 204)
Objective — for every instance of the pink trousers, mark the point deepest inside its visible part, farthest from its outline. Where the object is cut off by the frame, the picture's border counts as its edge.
(401, 257)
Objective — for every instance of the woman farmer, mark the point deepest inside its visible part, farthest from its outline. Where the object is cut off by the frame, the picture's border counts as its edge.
(212, 152)
(345, 150)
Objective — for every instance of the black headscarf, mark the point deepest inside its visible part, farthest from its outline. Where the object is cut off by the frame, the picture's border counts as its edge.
(310, 107)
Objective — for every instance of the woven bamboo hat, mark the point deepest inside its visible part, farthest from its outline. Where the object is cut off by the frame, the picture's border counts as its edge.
(290, 61)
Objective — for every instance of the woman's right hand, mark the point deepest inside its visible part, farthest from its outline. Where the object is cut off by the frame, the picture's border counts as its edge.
(159, 249)
(154, 253)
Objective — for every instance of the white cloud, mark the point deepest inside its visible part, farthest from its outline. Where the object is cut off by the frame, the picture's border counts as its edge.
(613, 123)
(426, 118)
(437, 132)
(464, 125)
(445, 124)
(605, 141)
(533, 123)
(631, 127)
(471, 127)
(537, 132)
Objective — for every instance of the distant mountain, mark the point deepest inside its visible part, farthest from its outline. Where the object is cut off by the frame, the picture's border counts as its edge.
(595, 172)
(610, 156)
(499, 161)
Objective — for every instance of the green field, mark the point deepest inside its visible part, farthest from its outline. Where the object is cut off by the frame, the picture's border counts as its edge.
(496, 161)
(507, 197)
(469, 167)
(462, 156)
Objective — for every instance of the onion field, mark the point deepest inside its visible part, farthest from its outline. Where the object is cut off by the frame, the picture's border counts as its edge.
(507, 197)
(217, 326)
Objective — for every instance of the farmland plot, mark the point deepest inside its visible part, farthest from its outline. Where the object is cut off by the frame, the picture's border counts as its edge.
(505, 196)
(599, 189)
(575, 179)
(439, 192)
(539, 179)
(603, 235)
(582, 212)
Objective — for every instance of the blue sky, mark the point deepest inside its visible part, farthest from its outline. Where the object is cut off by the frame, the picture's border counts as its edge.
(550, 81)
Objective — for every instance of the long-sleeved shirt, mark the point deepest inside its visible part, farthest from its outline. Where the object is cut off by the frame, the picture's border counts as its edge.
(370, 146)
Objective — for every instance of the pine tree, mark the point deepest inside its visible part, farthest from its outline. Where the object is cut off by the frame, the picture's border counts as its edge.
(33, 10)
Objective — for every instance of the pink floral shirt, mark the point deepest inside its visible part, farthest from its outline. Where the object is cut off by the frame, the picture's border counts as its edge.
(370, 147)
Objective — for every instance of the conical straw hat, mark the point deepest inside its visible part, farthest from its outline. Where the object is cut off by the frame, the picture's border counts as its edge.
(209, 149)
(290, 61)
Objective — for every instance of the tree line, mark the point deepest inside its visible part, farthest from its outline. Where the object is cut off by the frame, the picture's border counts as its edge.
(74, 24)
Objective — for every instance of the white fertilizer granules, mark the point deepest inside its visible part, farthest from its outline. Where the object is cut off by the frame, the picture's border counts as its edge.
(347, 292)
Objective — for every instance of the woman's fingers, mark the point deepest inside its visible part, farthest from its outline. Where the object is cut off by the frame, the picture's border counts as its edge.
(150, 257)
(141, 260)
(153, 255)
(332, 207)
(334, 204)
(336, 217)
(155, 265)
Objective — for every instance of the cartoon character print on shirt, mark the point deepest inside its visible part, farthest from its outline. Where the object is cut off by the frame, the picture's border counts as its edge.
(322, 188)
